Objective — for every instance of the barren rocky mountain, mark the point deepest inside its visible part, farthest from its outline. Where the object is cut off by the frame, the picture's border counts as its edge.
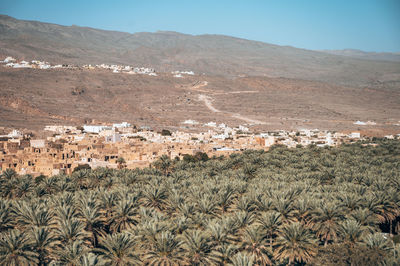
(166, 51)
(394, 57)
(237, 81)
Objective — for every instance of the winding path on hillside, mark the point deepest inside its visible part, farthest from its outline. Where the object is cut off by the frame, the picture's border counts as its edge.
(208, 103)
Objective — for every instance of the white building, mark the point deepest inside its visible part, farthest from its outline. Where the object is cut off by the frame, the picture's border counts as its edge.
(121, 125)
(115, 137)
(211, 124)
(190, 122)
(243, 128)
(329, 139)
(44, 66)
(9, 59)
(38, 143)
(14, 134)
(269, 141)
(94, 129)
(60, 129)
(368, 123)
(355, 135)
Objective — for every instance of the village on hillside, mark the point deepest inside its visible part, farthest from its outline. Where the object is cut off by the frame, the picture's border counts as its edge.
(126, 146)
(11, 62)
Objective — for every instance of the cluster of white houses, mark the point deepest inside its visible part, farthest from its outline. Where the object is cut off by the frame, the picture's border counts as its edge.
(14, 63)
(124, 69)
(180, 74)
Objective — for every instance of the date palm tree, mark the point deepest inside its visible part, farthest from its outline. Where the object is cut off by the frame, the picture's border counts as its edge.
(33, 214)
(71, 254)
(93, 219)
(225, 252)
(166, 249)
(284, 207)
(378, 241)
(303, 210)
(119, 249)
(8, 187)
(43, 242)
(163, 163)
(9, 173)
(241, 259)
(263, 202)
(72, 230)
(254, 244)
(151, 229)
(350, 201)
(295, 244)
(80, 178)
(249, 170)
(198, 248)
(25, 186)
(6, 219)
(16, 250)
(366, 218)
(326, 221)
(49, 185)
(270, 223)
(65, 212)
(124, 214)
(386, 210)
(243, 219)
(155, 196)
(246, 204)
(225, 198)
(351, 231)
(90, 259)
(218, 233)
(121, 163)
(108, 199)
(207, 205)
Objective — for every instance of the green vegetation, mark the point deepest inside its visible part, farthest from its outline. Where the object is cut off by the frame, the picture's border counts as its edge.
(318, 206)
(166, 132)
(82, 167)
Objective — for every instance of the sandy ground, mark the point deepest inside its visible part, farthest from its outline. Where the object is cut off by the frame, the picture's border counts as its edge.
(31, 99)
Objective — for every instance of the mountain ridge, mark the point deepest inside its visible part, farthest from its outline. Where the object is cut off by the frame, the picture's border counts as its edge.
(356, 53)
(208, 53)
(269, 86)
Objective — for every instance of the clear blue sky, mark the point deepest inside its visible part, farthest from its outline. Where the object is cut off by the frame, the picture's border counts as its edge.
(369, 25)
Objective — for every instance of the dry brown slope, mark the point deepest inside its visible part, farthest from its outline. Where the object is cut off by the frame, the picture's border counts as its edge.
(46, 96)
(166, 51)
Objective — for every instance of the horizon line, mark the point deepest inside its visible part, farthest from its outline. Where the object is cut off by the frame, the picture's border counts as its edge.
(324, 50)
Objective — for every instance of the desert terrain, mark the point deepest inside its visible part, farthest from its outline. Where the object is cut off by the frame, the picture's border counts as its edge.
(33, 98)
(236, 81)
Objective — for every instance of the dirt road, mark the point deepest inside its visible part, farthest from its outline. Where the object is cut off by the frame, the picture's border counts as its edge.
(208, 103)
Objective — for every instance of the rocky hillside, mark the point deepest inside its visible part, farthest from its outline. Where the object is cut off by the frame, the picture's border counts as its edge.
(209, 54)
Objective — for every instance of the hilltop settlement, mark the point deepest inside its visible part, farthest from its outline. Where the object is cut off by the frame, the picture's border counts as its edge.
(11, 62)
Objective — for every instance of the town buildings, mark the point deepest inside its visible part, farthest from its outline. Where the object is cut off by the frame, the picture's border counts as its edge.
(102, 145)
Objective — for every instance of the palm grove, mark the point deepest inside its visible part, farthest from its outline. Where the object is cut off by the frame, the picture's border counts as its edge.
(332, 206)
